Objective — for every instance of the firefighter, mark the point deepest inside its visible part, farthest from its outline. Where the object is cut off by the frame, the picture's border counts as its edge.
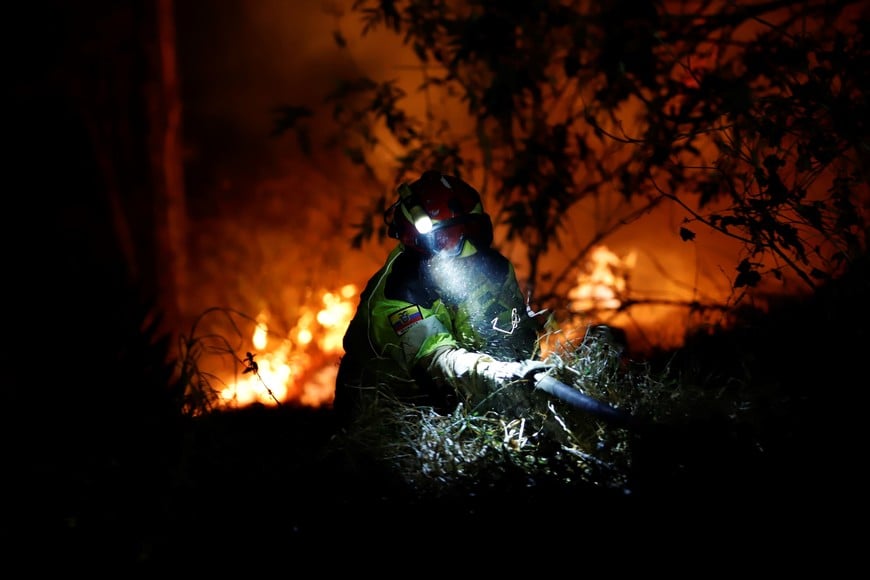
(444, 320)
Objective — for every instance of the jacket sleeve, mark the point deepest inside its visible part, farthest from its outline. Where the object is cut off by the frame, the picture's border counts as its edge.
(474, 375)
(406, 332)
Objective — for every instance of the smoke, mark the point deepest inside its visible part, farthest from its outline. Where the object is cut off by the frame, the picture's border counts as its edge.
(240, 60)
(268, 225)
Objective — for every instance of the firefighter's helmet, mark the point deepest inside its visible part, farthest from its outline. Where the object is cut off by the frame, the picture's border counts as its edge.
(437, 214)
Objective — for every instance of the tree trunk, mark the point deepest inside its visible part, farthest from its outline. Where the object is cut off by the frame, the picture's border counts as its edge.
(165, 146)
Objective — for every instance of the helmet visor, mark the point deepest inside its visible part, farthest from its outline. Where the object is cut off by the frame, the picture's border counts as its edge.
(448, 236)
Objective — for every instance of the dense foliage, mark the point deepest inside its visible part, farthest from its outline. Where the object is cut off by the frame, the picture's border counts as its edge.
(747, 116)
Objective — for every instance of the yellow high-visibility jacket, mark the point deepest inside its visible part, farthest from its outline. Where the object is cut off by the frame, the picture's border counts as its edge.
(423, 325)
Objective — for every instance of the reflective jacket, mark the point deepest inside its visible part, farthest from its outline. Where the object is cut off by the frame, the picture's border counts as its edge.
(422, 325)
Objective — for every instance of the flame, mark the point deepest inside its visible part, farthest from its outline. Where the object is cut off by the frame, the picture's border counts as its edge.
(603, 282)
(599, 292)
(301, 366)
(261, 332)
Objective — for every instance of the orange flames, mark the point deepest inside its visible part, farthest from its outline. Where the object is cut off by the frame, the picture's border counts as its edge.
(603, 283)
(600, 290)
(301, 366)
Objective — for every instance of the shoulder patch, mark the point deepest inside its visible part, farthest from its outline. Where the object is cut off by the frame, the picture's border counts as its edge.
(403, 319)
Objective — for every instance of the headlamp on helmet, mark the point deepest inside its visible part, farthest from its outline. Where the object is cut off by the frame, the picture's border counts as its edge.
(415, 213)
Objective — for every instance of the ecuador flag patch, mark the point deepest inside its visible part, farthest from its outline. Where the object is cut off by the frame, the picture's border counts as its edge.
(402, 320)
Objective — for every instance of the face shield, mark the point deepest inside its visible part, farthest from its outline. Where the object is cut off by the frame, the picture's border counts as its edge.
(448, 237)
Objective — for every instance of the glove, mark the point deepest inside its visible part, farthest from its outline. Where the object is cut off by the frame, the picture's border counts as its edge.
(475, 376)
(502, 372)
(509, 392)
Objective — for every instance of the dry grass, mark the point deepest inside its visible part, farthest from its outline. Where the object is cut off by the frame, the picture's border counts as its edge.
(468, 451)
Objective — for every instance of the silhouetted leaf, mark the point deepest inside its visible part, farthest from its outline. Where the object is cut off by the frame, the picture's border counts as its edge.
(287, 117)
(749, 278)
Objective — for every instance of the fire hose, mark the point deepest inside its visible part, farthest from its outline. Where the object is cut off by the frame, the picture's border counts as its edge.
(582, 401)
